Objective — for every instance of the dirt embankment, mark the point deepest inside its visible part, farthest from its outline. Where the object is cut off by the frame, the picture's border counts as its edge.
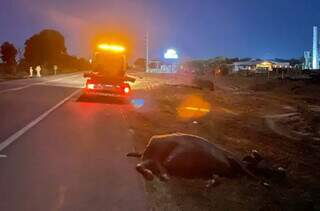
(303, 88)
(237, 121)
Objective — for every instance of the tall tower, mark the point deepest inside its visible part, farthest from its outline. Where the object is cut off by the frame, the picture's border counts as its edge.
(315, 49)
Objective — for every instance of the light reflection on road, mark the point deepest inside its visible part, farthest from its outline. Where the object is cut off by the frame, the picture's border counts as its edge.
(193, 107)
(137, 103)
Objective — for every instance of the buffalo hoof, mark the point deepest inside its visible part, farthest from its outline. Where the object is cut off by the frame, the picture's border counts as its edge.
(146, 173)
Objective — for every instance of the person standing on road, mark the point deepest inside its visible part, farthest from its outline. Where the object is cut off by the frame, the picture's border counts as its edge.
(31, 71)
(55, 68)
(38, 69)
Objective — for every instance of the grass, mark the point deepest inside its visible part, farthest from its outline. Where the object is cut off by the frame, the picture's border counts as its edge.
(236, 124)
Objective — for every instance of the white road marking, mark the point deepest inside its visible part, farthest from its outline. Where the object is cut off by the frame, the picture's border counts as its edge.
(23, 130)
(34, 84)
(3, 156)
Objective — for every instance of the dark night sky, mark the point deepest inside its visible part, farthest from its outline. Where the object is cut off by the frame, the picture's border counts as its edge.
(197, 28)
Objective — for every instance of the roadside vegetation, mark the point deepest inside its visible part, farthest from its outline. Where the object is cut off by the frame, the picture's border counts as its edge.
(280, 120)
(46, 49)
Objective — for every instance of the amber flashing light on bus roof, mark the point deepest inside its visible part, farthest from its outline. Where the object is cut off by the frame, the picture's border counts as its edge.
(107, 47)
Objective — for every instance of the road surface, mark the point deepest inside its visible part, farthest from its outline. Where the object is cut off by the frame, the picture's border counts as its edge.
(60, 153)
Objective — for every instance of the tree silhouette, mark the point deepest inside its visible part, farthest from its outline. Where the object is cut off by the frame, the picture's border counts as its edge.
(140, 62)
(8, 53)
(45, 48)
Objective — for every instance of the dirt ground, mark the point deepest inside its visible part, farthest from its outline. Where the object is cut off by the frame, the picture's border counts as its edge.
(278, 118)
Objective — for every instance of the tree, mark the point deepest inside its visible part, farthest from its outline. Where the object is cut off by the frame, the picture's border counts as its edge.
(73, 63)
(295, 62)
(140, 62)
(197, 65)
(45, 48)
(8, 53)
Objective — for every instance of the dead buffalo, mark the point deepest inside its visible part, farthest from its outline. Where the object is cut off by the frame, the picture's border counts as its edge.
(187, 156)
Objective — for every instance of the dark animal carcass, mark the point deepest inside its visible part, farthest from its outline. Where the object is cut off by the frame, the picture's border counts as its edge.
(187, 156)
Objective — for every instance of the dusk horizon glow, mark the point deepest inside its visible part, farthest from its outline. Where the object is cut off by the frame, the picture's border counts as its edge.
(206, 29)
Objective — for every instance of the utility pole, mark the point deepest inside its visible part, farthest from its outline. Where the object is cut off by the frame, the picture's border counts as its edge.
(147, 52)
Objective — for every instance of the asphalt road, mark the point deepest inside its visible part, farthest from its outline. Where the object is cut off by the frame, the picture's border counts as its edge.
(60, 153)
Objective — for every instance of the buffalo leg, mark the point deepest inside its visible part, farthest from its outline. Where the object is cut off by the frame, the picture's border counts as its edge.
(142, 168)
(163, 174)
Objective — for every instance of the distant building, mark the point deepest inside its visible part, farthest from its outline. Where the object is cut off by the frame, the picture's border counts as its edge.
(257, 66)
(155, 63)
(158, 66)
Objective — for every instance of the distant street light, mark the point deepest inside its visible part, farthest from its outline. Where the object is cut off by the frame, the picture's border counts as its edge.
(171, 54)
